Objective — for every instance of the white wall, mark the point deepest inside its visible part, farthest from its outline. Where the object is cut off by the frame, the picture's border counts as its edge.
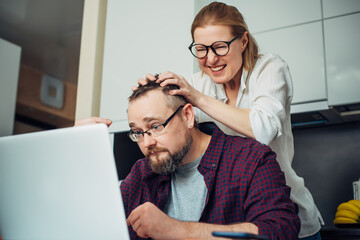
(142, 37)
(9, 75)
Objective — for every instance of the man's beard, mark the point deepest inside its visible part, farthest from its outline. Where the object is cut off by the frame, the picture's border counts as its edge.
(171, 162)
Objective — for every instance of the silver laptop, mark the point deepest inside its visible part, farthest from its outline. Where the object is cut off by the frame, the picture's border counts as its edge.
(60, 184)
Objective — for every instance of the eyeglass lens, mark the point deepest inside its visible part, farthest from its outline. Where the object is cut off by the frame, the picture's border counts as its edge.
(219, 48)
(154, 131)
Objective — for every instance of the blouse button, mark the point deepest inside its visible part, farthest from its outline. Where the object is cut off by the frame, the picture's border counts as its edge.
(213, 165)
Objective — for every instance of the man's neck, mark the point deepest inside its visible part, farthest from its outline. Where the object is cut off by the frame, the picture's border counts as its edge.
(198, 147)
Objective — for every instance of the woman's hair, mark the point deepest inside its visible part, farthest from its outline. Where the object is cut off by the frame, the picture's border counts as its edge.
(218, 13)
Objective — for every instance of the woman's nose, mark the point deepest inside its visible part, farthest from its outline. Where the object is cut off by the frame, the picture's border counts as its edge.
(211, 57)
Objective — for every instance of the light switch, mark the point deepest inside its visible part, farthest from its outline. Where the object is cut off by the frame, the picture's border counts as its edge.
(52, 92)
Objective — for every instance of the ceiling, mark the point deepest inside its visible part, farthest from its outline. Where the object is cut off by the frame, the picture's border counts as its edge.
(49, 33)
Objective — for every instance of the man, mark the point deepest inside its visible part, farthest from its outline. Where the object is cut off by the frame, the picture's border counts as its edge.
(191, 184)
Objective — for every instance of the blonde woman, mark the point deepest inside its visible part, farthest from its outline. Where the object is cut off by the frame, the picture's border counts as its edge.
(244, 93)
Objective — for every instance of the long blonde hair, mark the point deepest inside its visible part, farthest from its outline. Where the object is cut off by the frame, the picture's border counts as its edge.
(217, 13)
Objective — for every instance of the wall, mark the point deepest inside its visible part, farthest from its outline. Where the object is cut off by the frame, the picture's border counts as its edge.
(142, 37)
(91, 58)
(328, 158)
(9, 74)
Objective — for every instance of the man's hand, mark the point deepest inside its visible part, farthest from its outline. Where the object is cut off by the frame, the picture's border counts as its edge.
(148, 221)
(92, 120)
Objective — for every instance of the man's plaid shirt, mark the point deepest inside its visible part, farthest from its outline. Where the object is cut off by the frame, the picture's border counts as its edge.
(244, 181)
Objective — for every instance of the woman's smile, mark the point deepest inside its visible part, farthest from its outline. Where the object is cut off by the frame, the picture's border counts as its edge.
(217, 68)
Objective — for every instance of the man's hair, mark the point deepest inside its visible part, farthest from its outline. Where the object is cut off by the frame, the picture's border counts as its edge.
(173, 101)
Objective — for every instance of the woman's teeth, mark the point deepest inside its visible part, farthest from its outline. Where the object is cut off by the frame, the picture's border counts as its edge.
(216, 69)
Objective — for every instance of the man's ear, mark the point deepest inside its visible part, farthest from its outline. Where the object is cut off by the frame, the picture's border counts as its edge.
(188, 114)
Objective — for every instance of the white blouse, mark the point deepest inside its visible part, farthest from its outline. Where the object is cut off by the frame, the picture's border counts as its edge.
(268, 92)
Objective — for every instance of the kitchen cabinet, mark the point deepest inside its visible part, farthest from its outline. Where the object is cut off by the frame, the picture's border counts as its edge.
(333, 8)
(264, 15)
(293, 30)
(342, 37)
(302, 48)
(143, 37)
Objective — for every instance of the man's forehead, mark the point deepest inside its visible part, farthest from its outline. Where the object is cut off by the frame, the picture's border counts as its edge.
(152, 95)
(147, 108)
(140, 119)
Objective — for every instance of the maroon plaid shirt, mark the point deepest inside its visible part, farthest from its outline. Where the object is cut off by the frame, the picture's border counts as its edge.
(244, 182)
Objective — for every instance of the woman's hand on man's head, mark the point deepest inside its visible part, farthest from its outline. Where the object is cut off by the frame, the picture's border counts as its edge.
(144, 81)
(166, 78)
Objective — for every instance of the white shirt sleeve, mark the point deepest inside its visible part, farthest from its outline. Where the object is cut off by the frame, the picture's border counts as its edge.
(270, 94)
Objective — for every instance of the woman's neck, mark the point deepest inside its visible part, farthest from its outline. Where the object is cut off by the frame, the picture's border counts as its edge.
(232, 88)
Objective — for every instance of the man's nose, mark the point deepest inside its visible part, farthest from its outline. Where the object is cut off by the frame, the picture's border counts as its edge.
(148, 140)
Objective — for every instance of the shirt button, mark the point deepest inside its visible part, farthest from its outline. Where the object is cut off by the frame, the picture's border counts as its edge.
(213, 165)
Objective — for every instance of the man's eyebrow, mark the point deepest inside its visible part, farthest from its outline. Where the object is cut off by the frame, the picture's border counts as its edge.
(149, 119)
(145, 119)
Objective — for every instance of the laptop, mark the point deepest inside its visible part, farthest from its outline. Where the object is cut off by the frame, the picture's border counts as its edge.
(60, 184)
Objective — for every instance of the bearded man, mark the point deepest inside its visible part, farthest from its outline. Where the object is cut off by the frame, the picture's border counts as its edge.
(191, 183)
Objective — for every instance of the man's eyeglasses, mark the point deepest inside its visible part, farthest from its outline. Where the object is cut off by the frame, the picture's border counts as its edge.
(154, 131)
(220, 48)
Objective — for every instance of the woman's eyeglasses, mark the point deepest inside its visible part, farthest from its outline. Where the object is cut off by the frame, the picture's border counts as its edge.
(220, 48)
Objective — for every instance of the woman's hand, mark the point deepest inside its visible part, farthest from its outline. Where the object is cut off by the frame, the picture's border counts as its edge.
(92, 120)
(144, 81)
(185, 89)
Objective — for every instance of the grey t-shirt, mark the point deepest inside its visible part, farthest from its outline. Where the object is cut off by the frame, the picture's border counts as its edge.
(188, 193)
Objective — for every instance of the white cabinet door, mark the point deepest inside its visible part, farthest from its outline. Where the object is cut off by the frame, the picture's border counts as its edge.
(302, 48)
(9, 76)
(333, 8)
(342, 38)
(263, 15)
(142, 37)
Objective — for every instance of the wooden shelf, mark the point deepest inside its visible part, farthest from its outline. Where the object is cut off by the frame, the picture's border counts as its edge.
(28, 101)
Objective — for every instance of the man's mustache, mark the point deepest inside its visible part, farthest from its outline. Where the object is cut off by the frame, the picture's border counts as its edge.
(155, 150)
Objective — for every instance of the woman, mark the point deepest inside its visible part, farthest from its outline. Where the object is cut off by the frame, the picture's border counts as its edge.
(244, 93)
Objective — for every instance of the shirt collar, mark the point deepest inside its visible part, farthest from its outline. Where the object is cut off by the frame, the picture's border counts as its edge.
(243, 79)
(213, 152)
(218, 90)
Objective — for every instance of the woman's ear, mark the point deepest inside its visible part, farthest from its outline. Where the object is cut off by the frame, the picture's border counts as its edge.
(244, 40)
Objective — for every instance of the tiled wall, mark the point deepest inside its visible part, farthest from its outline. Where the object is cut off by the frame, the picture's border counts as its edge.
(328, 158)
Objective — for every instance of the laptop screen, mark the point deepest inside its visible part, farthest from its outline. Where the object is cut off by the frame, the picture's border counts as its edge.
(60, 184)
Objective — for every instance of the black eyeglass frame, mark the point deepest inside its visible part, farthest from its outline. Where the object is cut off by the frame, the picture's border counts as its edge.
(148, 132)
(212, 48)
